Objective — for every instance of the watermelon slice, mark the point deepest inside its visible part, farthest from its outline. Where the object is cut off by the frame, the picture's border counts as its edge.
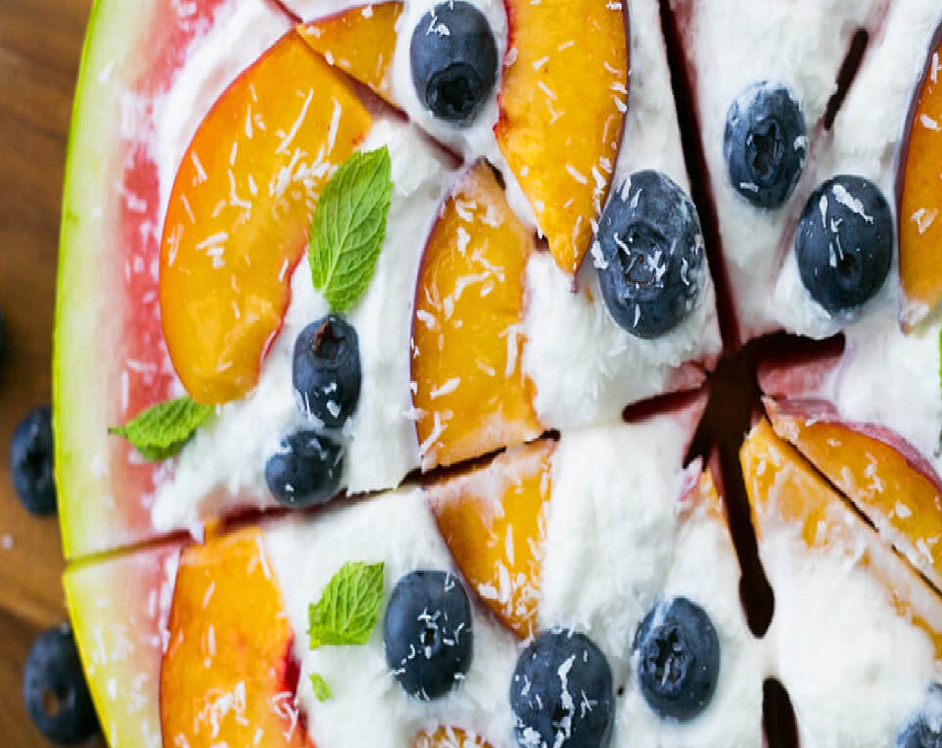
(119, 609)
(110, 361)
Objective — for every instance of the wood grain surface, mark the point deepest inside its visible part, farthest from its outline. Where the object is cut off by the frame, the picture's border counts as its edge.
(40, 44)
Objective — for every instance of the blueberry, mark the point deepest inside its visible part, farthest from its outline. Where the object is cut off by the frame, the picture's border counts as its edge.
(325, 371)
(765, 144)
(678, 659)
(55, 691)
(32, 461)
(562, 693)
(428, 633)
(305, 471)
(454, 61)
(844, 244)
(924, 728)
(650, 269)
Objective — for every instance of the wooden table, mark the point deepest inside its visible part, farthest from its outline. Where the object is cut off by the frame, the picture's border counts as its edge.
(40, 44)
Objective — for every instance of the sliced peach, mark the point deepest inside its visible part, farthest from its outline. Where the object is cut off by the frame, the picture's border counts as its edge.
(226, 674)
(360, 41)
(886, 478)
(920, 225)
(492, 520)
(240, 212)
(469, 389)
(785, 491)
(562, 111)
(449, 737)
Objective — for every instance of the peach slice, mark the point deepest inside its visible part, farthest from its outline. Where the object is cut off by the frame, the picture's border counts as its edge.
(492, 520)
(562, 112)
(240, 212)
(784, 489)
(226, 674)
(360, 41)
(920, 197)
(470, 393)
(885, 478)
(449, 737)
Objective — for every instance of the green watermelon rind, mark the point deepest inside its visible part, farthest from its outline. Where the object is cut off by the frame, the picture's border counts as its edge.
(86, 283)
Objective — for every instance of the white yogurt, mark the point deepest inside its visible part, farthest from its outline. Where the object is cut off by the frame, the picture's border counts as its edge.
(855, 669)
(585, 367)
(800, 44)
(618, 539)
(615, 544)
(368, 707)
(225, 461)
(865, 140)
(590, 381)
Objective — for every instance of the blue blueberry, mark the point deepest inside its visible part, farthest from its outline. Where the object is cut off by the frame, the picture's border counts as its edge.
(650, 268)
(454, 61)
(562, 693)
(428, 633)
(326, 372)
(306, 470)
(678, 659)
(844, 244)
(31, 461)
(55, 691)
(924, 728)
(765, 144)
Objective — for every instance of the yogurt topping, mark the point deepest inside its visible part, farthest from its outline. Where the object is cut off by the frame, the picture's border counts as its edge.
(368, 707)
(618, 539)
(584, 366)
(851, 683)
(226, 459)
(613, 546)
(224, 463)
(735, 44)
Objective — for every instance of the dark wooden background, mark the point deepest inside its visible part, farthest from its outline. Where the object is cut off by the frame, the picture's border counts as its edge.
(40, 44)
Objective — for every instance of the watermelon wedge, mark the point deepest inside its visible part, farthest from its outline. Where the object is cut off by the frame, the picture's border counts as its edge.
(119, 609)
(110, 360)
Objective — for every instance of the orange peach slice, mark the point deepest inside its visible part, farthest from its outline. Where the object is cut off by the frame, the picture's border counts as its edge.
(449, 737)
(240, 212)
(360, 41)
(562, 111)
(920, 225)
(492, 520)
(785, 490)
(469, 390)
(226, 674)
(883, 476)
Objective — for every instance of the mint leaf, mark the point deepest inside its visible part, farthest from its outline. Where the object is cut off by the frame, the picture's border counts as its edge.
(161, 431)
(349, 606)
(349, 227)
(320, 687)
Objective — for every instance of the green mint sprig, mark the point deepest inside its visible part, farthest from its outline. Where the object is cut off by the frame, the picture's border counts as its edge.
(346, 613)
(162, 430)
(349, 227)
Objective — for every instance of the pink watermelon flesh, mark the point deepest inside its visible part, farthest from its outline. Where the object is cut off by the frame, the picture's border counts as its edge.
(110, 357)
(119, 609)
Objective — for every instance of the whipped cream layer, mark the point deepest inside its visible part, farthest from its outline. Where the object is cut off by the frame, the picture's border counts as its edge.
(591, 380)
(368, 707)
(730, 46)
(613, 548)
(585, 367)
(865, 140)
(856, 669)
(225, 461)
(620, 538)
